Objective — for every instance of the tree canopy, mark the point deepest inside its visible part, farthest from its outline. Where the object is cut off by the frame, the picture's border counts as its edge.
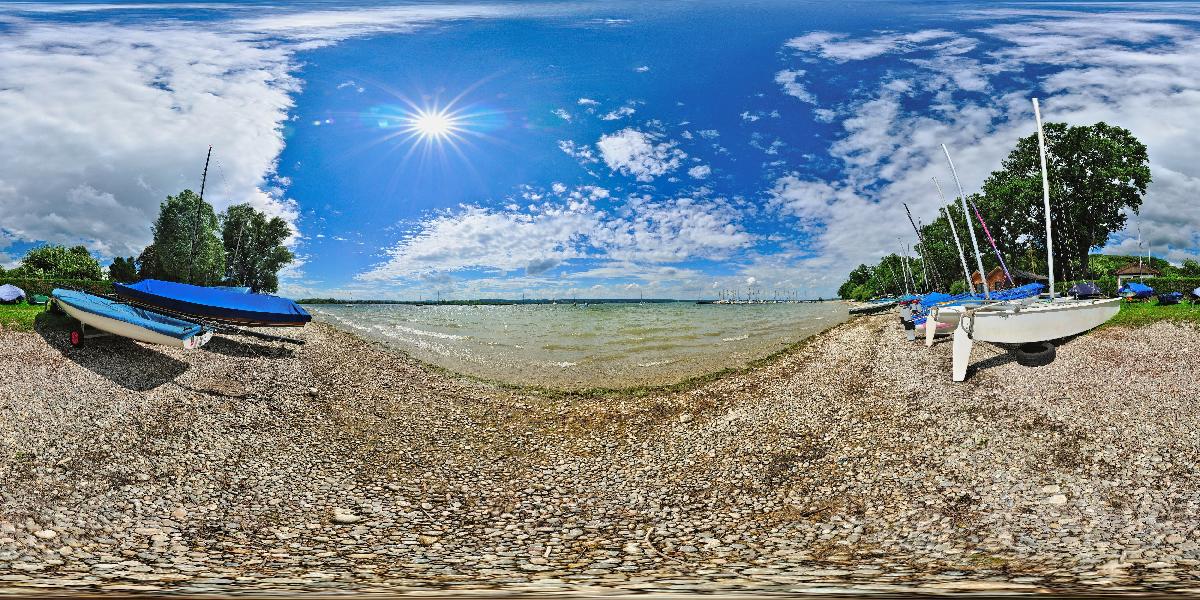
(1097, 173)
(254, 251)
(187, 245)
(123, 270)
(53, 261)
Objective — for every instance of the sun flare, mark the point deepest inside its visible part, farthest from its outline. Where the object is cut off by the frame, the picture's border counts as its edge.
(434, 125)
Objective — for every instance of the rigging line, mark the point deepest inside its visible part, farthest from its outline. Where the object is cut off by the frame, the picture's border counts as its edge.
(979, 215)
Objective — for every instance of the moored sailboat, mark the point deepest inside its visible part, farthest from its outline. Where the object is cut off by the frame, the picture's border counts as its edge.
(1032, 320)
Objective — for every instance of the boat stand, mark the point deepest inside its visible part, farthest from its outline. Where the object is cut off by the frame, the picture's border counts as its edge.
(962, 346)
(79, 333)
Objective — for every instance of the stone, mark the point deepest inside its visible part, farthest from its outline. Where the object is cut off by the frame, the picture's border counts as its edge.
(1057, 499)
(1050, 489)
(685, 418)
(345, 518)
(46, 534)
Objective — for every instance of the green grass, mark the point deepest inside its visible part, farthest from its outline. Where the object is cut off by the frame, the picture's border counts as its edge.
(19, 316)
(1134, 314)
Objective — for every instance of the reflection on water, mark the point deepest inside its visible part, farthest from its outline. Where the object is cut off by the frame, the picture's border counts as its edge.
(587, 345)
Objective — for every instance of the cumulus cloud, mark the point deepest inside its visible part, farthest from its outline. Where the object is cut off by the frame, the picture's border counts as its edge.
(1145, 77)
(532, 240)
(639, 153)
(792, 86)
(700, 171)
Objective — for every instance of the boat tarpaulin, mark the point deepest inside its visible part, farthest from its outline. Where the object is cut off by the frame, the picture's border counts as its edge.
(1084, 289)
(1134, 289)
(218, 304)
(11, 293)
(146, 319)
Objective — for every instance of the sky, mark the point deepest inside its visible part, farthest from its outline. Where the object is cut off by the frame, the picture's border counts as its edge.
(562, 149)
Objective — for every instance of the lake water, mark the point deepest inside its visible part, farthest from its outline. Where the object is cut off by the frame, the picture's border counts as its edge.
(570, 346)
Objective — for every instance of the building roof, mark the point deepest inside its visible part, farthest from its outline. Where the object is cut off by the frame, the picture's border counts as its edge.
(1137, 269)
(1019, 274)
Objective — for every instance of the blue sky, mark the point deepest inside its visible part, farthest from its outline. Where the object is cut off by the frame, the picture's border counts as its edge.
(599, 149)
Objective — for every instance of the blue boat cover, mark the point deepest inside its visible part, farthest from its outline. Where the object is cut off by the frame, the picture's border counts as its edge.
(1170, 298)
(1137, 290)
(11, 293)
(1084, 289)
(214, 303)
(146, 319)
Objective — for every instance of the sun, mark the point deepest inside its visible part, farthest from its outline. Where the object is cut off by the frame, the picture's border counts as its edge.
(434, 125)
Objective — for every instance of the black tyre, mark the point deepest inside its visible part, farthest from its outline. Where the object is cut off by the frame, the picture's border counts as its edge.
(1035, 354)
(76, 336)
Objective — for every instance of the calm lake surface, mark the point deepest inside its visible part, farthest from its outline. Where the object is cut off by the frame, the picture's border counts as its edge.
(594, 345)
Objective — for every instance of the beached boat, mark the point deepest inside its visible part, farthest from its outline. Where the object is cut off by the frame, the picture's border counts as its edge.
(1170, 298)
(232, 306)
(121, 319)
(1025, 322)
(1135, 291)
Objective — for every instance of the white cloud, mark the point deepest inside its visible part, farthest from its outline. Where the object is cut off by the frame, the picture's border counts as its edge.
(842, 48)
(642, 69)
(562, 114)
(540, 237)
(700, 171)
(620, 113)
(790, 80)
(580, 152)
(587, 102)
(640, 154)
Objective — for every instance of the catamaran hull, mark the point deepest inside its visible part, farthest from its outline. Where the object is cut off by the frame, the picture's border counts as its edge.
(1023, 323)
(132, 331)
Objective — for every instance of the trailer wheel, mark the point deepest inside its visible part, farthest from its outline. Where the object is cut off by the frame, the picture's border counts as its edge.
(52, 306)
(76, 336)
(1035, 354)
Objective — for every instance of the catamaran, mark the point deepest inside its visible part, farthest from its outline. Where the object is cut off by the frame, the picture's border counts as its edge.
(1024, 322)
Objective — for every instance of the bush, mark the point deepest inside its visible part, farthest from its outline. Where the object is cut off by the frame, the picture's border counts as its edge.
(45, 286)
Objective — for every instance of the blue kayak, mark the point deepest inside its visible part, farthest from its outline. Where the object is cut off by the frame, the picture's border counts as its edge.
(234, 306)
(127, 321)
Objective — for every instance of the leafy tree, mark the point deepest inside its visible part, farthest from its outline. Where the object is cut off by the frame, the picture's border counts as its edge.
(187, 245)
(1095, 172)
(53, 261)
(254, 251)
(1190, 268)
(122, 270)
(852, 288)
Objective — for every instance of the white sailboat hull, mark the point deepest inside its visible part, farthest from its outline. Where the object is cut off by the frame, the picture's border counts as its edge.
(132, 331)
(1022, 323)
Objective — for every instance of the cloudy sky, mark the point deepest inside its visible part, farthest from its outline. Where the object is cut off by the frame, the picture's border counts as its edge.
(591, 149)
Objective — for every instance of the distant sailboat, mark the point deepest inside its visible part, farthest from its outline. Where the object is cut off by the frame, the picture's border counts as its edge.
(1027, 321)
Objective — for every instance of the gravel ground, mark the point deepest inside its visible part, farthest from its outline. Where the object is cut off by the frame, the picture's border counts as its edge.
(851, 464)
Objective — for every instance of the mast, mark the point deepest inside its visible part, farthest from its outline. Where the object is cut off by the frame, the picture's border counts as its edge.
(962, 197)
(958, 243)
(988, 233)
(921, 240)
(199, 213)
(1037, 115)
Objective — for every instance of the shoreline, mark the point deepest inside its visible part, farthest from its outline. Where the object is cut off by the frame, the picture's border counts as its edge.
(848, 461)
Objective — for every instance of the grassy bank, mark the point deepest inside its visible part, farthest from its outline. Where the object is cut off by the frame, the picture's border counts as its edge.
(1144, 313)
(19, 316)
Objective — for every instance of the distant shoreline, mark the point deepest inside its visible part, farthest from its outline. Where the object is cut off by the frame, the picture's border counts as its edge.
(503, 302)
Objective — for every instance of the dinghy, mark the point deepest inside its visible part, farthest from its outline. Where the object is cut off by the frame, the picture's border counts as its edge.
(1170, 298)
(128, 321)
(1029, 321)
(1084, 289)
(232, 306)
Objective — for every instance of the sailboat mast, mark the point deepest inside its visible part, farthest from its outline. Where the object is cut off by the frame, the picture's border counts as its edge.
(920, 240)
(962, 198)
(957, 242)
(1037, 115)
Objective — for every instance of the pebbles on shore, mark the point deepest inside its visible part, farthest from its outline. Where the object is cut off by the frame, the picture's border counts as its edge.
(853, 463)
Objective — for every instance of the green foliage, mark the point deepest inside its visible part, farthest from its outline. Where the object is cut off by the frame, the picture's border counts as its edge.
(253, 246)
(122, 270)
(55, 261)
(187, 246)
(1096, 172)
(958, 287)
(45, 286)
(1135, 314)
(19, 316)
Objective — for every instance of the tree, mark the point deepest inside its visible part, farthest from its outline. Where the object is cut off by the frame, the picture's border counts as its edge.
(122, 270)
(53, 261)
(254, 251)
(187, 246)
(1095, 173)
(1190, 268)
(852, 288)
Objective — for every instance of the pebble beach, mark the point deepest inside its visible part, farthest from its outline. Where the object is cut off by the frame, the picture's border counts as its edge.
(849, 463)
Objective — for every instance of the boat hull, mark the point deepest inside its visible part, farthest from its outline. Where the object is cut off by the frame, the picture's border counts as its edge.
(1022, 323)
(133, 331)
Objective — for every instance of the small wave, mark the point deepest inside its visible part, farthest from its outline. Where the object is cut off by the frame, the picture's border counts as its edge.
(736, 339)
(564, 364)
(435, 334)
